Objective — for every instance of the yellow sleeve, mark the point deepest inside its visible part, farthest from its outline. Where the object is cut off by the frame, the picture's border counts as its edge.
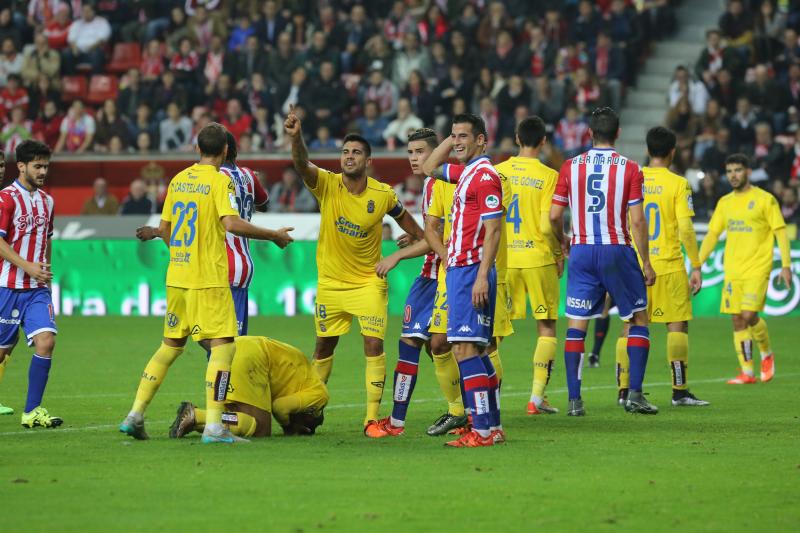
(166, 210)
(394, 208)
(683, 202)
(689, 240)
(323, 177)
(507, 194)
(774, 215)
(547, 233)
(547, 195)
(224, 196)
(715, 228)
(436, 209)
(782, 236)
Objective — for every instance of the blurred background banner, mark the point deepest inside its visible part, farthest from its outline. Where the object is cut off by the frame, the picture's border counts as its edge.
(121, 276)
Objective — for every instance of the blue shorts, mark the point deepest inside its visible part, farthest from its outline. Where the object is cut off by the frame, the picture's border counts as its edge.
(30, 308)
(593, 270)
(419, 308)
(241, 306)
(464, 322)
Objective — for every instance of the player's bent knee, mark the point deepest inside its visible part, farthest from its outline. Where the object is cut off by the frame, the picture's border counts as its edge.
(750, 318)
(439, 344)
(373, 346)
(325, 346)
(45, 343)
(639, 318)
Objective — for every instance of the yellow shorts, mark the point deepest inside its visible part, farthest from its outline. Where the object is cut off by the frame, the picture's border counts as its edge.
(337, 304)
(502, 312)
(743, 295)
(670, 298)
(201, 313)
(439, 315)
(541, 286)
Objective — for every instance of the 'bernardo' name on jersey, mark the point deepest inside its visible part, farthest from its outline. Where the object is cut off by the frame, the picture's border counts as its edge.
(602, 159)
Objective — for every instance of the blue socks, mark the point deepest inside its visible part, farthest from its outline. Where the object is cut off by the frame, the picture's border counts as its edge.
(600, 330)
(405, 377)
(476, 392)
(37, 381)
(638, 349)
(574, 347)
(494, 392)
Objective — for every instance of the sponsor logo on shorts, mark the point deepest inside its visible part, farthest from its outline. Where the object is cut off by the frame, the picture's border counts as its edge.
(492, 201)
(484, 320)
(417, 326)
(172, 320)
(577, 303)
(403, 388)
(465, 329)
(481, 402)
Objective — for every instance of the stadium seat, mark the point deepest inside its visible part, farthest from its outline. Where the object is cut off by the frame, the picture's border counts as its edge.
(125, 57)
(102, 88)
(73, 88)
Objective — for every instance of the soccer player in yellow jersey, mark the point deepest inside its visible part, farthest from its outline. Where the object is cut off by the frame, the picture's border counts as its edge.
(352, 207)
(200, 207)
(668, 209)
(753, 221)
(268, 378)
(534, 256)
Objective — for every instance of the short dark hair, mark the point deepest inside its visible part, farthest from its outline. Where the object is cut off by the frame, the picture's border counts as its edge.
(531, 130)
(738, 159)
(30, 150)
(478, 125)
(233, 152)
(212, 139)
(355, 137)
(425, 134)
(660, 141)
(604, 123)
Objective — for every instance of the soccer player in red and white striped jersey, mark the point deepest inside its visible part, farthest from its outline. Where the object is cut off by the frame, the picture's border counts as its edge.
(603, 189)
(26, 226)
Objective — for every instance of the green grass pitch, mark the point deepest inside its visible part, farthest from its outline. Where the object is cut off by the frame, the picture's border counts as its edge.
(731, 466)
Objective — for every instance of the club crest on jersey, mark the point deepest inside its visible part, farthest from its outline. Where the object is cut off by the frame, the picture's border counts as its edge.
(751, 205)
(492, 201)
(370, 207)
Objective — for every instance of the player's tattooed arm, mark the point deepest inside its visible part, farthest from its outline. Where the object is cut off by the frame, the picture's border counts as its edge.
(434, 164)
(307, 170)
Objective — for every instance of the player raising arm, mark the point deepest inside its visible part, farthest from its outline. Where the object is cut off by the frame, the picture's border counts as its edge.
(603, 189)
(26, 226)
(753, 222)
(200, 207)
(352, 207)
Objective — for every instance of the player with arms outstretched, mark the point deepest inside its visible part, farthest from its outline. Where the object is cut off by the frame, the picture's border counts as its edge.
(603, 190)
(26, 227)
(669, 211)
(352, 207)
(534, 256)
(418, 312)
(200, 207)
(477, 217)
(753, 222)
(268, 378)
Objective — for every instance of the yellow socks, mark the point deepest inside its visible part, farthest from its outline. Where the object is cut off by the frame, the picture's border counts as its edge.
(678, 357)
(494, 357)
(447, 375)
(543, 358)
(761, 335)
(154, 373)
(240, 424)
(623, 363)
(323, 367)
(3, 366)
(375, 378)
(218, 374)
(743, 344)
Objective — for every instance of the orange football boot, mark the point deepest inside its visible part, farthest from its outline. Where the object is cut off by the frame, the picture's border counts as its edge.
(742, 379)
(473, 439)
(377, 429)
(767, 368)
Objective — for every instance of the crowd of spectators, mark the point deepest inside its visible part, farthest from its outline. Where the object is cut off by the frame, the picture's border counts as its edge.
(742, 95)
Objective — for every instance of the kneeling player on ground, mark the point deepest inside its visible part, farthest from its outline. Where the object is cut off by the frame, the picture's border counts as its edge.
(753, 222)
(668, 208)
(268, 378)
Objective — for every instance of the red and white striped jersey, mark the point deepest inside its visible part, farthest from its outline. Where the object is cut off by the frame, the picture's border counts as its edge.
(430, 268)
(249, 193)
(599, 185)
(478, 196)
(26, 223)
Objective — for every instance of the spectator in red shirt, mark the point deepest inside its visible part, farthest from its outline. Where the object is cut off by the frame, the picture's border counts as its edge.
(236, 120)
(152, 65)
(47, 127)
(185, 61)
(57, 30)
(13, 96)
(434, 26)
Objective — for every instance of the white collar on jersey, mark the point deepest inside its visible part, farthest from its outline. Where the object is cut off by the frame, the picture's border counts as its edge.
(22, 189)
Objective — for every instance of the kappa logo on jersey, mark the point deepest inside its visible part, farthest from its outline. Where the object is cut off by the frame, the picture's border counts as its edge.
(417, 325)
(25, 221)
(370, 206)
(172, 320)
(492, 201)
(465, 329)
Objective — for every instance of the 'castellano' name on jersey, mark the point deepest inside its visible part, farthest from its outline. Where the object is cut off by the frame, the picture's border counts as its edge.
(349, 243)
(197, 198)
(667, 198)
(750, 219)
(531, 185)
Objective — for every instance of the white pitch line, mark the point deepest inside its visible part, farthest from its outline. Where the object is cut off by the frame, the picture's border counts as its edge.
(358, 405)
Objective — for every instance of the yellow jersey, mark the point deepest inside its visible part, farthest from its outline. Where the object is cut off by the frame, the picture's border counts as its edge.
(531, 184)
(501, 260)
(667, 198)
(285, 367)
(750, 219)
(350, 230)
(441, 206)
(197, 198)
